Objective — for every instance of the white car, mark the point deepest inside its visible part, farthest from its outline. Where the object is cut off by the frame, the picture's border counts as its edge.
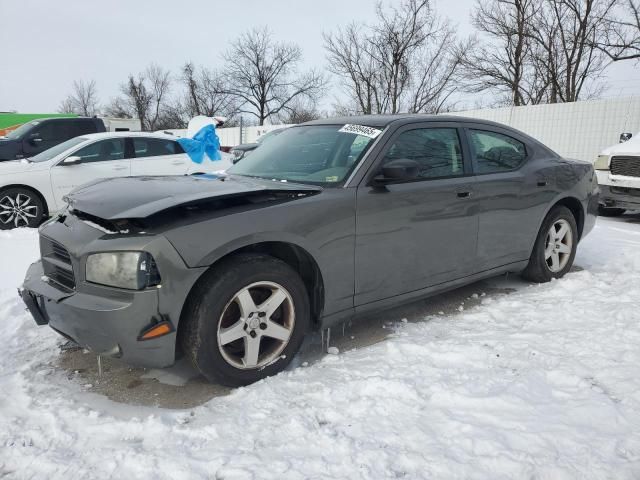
(618, 171)
(31, 189)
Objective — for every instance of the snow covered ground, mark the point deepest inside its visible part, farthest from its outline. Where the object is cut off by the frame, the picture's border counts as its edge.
(542, 383)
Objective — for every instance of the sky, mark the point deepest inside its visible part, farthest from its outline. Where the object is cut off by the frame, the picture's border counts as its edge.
(46, 45)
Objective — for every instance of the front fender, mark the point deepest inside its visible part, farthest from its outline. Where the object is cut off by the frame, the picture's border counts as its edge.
(255, 238)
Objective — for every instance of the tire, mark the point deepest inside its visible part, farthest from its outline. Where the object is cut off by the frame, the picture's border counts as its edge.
(20, 207)
(553, 260)
(223, 326)
(610, 212)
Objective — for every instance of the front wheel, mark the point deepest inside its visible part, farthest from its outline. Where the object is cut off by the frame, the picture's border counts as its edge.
(555, 247)
(20, 207)
(246, 320)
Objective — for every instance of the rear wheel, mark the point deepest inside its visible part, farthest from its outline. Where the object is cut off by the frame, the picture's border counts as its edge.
(20, 207)
(610, 212)
(555, 247)
(246, 320)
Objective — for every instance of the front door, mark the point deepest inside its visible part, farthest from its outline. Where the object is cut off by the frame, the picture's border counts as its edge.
(419, 233)
(101, 159)
(43, 136)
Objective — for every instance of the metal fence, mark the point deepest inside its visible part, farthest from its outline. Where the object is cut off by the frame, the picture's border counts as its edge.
(230, 137)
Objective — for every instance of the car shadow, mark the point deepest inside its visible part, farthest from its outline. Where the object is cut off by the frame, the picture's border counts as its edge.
(181, 387)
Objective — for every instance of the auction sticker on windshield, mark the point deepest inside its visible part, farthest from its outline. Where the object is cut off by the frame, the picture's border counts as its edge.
(361, 130)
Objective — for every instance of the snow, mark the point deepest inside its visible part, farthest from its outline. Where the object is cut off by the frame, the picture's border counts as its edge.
(539, 383)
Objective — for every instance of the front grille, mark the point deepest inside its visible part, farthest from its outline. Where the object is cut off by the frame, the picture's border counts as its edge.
(627, 166)
(61, 252)
(56, 263)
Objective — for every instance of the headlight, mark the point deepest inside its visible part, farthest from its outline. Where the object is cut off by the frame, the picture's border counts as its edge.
(131, 270)
(602, 162)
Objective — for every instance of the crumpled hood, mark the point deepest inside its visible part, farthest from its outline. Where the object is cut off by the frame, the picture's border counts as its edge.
(140, 197)
(630, 147)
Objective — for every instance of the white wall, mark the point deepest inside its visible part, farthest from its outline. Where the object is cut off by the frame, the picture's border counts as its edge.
(230, 137)
(575, 130)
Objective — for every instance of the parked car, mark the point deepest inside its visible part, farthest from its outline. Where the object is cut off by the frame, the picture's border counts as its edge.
(31, 189)
(331, 219)
(618, 170)
(39, 135)
(242, 150)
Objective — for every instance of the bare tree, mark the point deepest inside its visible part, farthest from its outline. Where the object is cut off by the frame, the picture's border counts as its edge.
(83, 100)
(404, 62)
(300, 111)
(207, 93)
(506, 62)
(263, 75)
(145, 96)
(567, 39)
(351, 61)
(622, 37)
(547, 50)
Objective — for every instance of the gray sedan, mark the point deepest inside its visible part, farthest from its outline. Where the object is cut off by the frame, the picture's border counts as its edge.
(331, 219)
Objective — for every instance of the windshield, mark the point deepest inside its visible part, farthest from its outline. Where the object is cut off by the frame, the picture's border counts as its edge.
(21, 130)
(269, 135)
(315, 154)
(57, 150)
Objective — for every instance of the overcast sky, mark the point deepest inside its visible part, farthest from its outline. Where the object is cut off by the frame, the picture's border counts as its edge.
(48, 44)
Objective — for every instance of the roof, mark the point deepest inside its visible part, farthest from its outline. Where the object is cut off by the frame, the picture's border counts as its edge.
(385, 120)
(97, 136)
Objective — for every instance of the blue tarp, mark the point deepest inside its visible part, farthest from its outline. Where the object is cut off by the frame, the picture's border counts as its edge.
(205, 141)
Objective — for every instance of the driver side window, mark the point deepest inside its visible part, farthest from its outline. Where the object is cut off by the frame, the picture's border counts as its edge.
(436, 150)
(102, 151)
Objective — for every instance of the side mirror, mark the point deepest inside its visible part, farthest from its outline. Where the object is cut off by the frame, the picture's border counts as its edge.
(625, 136)
(72, 160)
(398, 171)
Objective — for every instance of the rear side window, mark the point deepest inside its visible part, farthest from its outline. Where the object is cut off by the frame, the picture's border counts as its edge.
(80, 127)
(437, 151)
(102, 151)
(155, 147)
(495, 152)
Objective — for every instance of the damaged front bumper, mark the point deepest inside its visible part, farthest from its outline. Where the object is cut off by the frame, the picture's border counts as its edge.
(106, 326)
(110, 321)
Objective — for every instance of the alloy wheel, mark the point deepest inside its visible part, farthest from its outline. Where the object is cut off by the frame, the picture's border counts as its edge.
(256, 325)
(17, 210)
(558, 246)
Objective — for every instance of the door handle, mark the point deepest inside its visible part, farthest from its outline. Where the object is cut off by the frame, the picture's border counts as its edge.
(465, 194)
(120, 168)
(542, 183)
(177, 163)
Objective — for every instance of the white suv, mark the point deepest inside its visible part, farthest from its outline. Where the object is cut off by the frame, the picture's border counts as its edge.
(618, 171)
(32, 188)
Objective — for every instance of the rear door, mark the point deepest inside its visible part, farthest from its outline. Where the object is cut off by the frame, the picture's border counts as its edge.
(513, 190)
(422, 232)
(158, 156)
(101, 159)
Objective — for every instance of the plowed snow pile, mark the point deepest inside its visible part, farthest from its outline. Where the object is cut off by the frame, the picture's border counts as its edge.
(541, 383)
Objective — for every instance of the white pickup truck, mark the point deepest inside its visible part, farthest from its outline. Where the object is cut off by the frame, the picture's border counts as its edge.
(618, 171)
